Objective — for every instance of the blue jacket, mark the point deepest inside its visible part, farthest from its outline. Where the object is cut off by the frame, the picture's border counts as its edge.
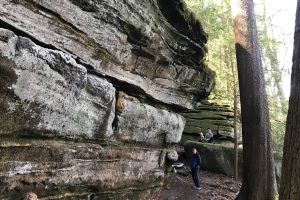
(196, 160)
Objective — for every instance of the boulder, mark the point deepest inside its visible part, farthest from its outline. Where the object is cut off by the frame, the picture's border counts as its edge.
(172, 155)
(215, 158)
(136, 122)
(219, 158)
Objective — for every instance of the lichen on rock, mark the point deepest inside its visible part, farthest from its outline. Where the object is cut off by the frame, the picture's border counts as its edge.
(135, 43)
(67, 131)
(145, 124)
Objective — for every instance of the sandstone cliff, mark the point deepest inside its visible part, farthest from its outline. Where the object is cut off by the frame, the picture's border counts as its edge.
(219, 117)
(88, 91)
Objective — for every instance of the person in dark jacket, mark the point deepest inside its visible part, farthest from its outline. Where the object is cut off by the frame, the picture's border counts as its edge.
(195, 165)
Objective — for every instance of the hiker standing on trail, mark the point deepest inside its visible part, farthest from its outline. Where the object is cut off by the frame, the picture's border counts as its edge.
(195, 165)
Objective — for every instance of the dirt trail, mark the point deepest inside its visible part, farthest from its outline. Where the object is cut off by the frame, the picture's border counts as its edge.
(213, 187)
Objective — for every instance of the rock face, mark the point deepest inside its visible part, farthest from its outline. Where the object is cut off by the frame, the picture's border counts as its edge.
(47, 90)
(146, 124)
(132, 42)
(88, 91)
(219, 118)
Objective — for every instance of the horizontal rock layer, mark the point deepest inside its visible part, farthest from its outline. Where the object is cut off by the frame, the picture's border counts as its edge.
(219, 118)
(86, 89)
(149, 48)
(67, 133)
(67, 170)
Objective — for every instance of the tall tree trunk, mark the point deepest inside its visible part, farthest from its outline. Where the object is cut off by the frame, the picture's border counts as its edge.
(236, 151)
(258, 168)
(290, 178)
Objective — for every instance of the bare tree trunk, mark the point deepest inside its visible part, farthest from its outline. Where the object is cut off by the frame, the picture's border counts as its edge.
(290, 178)
(236, 153)
(258, 161)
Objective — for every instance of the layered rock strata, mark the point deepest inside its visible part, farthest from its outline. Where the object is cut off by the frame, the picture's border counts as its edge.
(147, 45)
(88, 91)
(218, 117)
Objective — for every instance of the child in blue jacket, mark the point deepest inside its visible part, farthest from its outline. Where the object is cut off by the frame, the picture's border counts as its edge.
(195, 165)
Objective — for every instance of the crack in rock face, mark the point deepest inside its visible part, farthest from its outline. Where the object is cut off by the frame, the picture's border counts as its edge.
(134, 43)
(89, 92)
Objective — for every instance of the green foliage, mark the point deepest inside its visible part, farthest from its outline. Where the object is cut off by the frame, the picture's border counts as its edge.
(216, 18)
(278, 115)
(269, 46)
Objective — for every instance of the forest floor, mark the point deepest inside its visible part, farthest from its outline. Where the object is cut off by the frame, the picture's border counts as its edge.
(213, 186)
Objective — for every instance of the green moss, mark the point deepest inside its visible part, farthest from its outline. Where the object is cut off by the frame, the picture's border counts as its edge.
(101, 54)
(193, 129)
(8, 126)
(276, 197)
(185, 138)
(278, 155)
(10, 121)
(207, 115)
(216, 157)
(207, 123)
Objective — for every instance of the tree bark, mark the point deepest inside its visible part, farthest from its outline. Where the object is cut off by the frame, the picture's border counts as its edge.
(290, 178)
(258, 161)
(236, 153)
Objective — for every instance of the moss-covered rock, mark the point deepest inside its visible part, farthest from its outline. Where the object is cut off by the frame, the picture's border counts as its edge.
(219, 158)
(219, 118)
(215, 157)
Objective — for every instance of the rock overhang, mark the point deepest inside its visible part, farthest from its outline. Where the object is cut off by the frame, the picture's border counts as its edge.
(63, 67)
(137, 44)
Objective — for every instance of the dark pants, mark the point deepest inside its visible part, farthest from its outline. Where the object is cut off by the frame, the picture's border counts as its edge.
(211, 140)
(195, 176)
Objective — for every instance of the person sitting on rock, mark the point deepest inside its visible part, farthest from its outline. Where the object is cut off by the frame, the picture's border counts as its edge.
(209, 136)
(201, 137)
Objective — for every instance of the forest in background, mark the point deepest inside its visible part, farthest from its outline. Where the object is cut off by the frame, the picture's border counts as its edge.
(276, 48)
